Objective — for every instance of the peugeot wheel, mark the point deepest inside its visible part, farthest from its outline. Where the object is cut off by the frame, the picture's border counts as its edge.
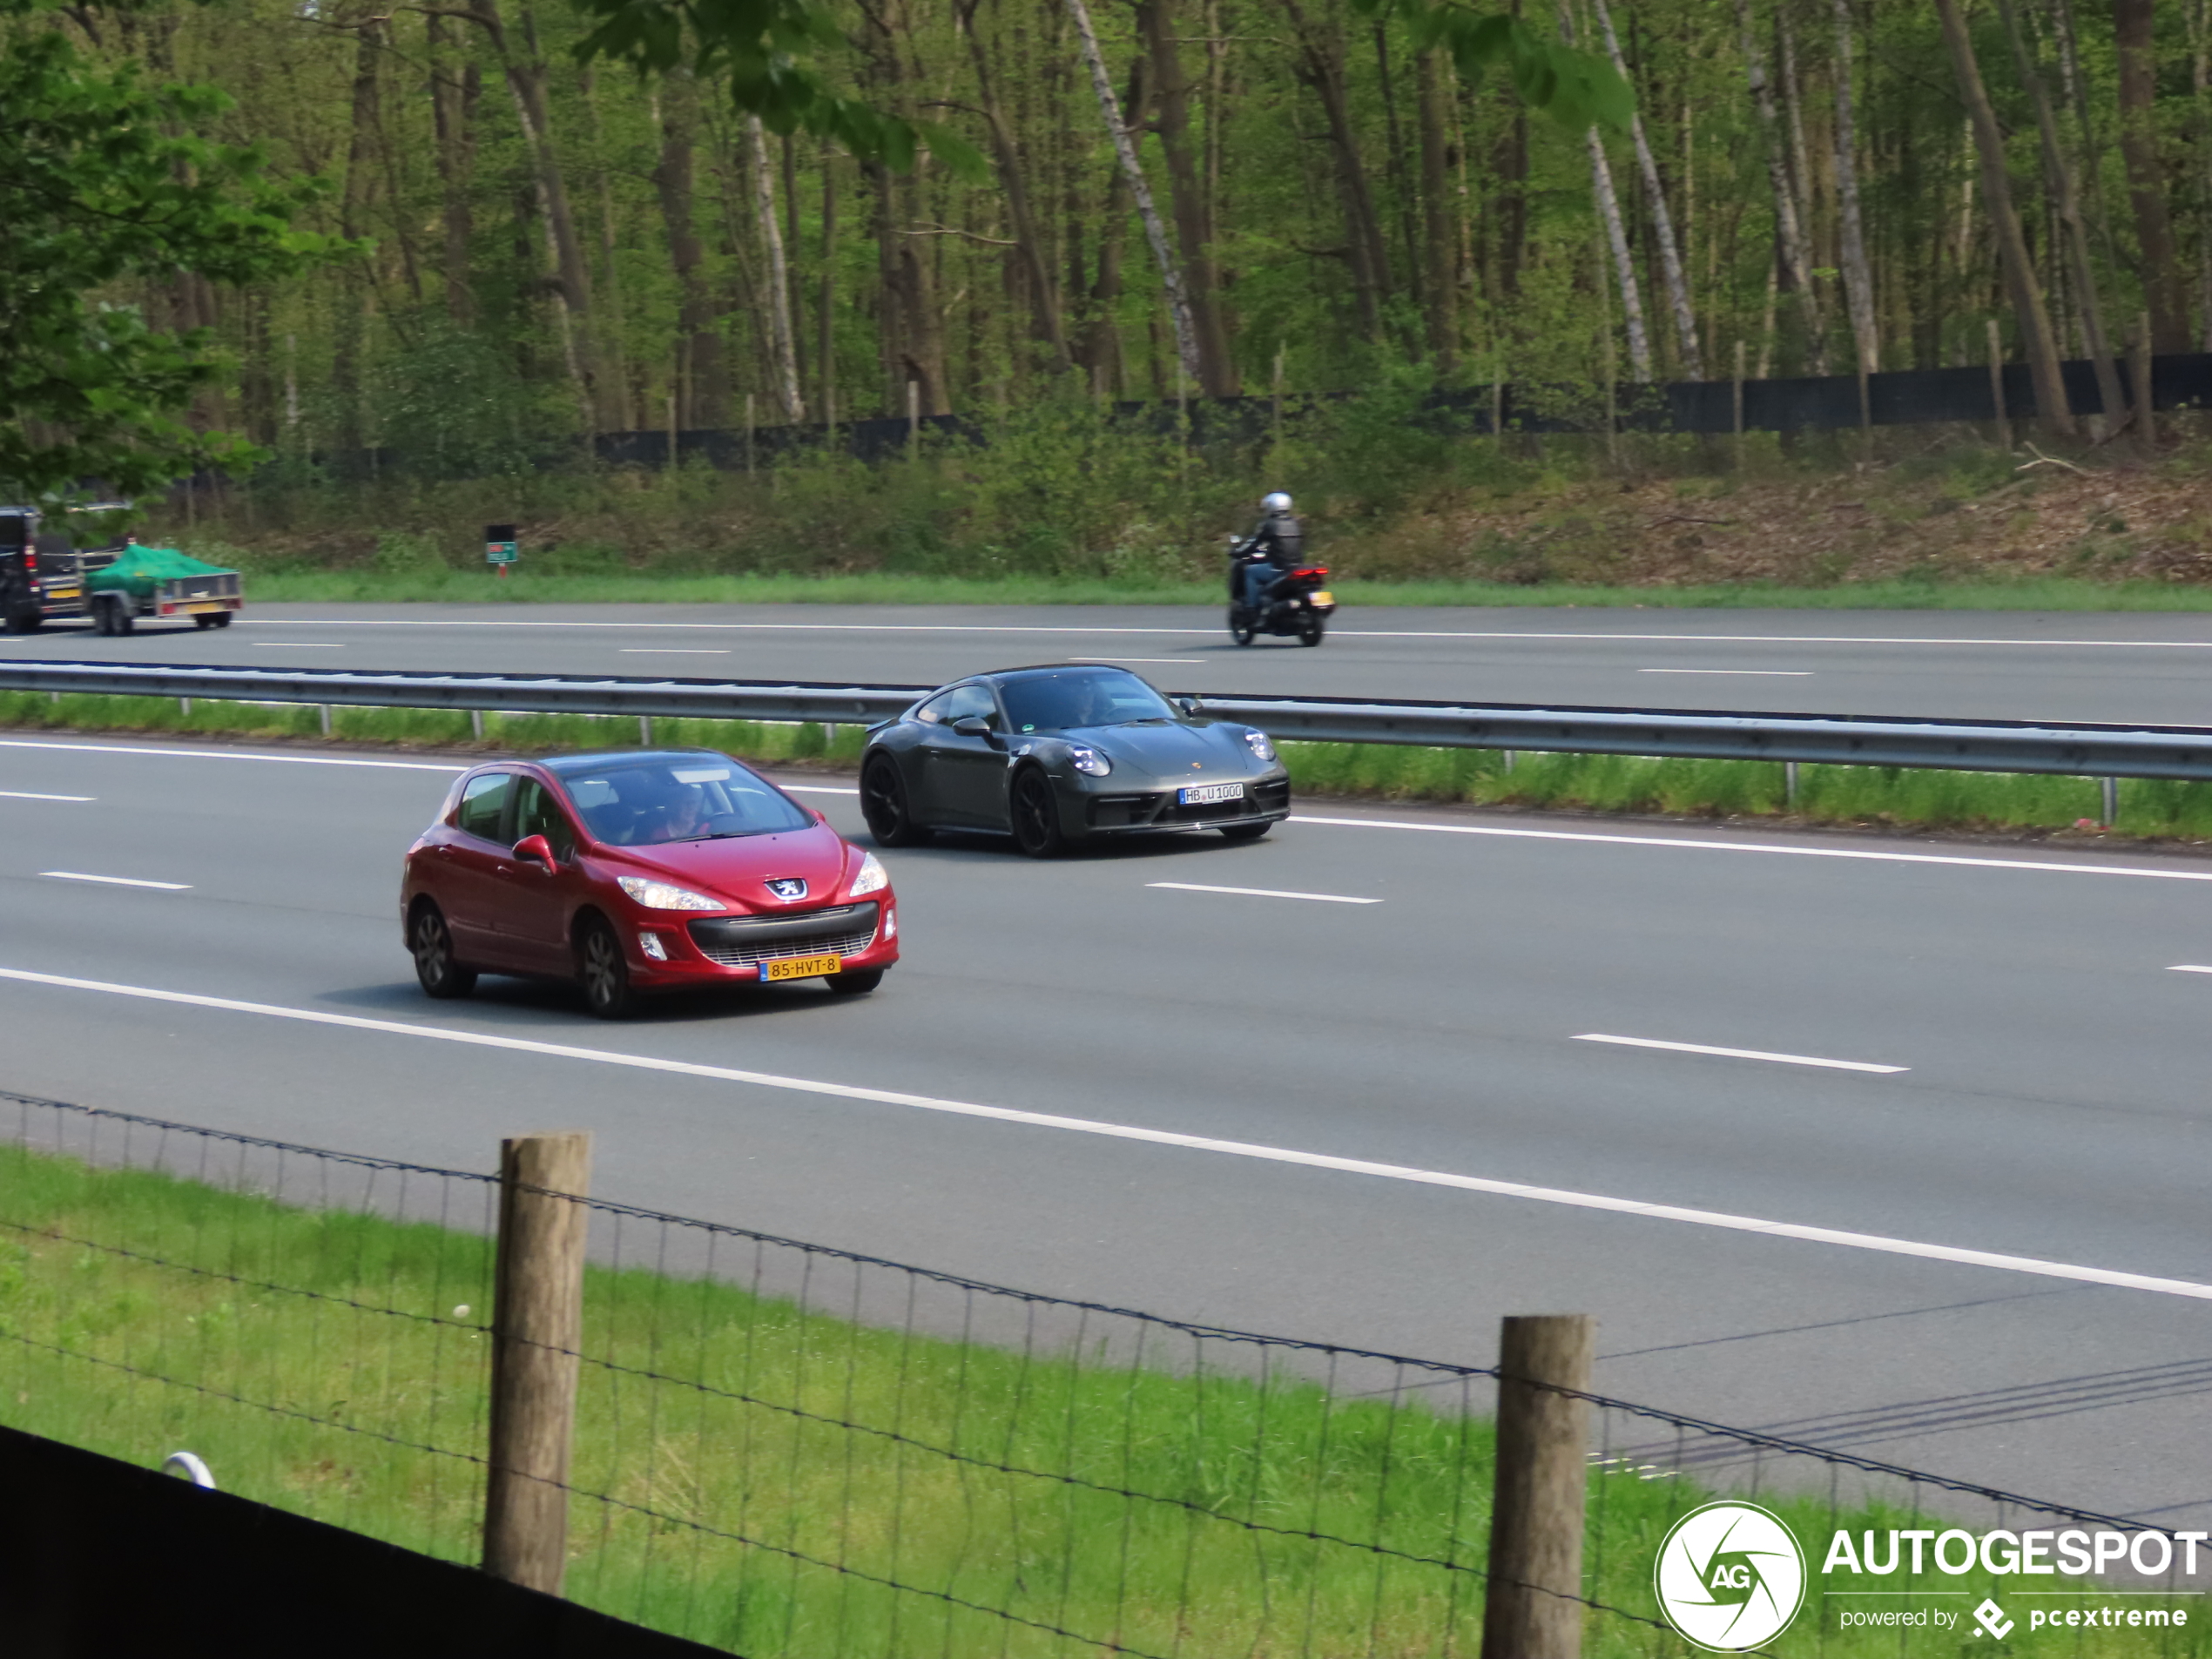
(883, 803)
(859, 982)
(604, 971)
(431, 943)
(1036, 816)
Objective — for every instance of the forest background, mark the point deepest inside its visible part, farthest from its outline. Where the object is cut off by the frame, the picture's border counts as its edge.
(550, 247)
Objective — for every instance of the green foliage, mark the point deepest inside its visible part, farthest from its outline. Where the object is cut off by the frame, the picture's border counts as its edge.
(101, 179)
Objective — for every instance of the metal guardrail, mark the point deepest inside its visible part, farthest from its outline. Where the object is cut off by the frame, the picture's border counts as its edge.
(2063, 748)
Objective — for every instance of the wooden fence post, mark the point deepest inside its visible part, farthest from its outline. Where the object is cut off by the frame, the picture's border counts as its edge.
(537, 1324)
(1534, 1606)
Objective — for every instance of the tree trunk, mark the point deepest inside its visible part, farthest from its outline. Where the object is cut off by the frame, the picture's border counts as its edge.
(2027, 293)
(570, 291)
(453, 107)
(1187, 196)
(612, 353)
(1624, 267)
(1045, 322)
(703, 380)
(1101, 343)
(353, 223)
(1797, 262)
(1186, 332)
(1439, 263)
(1320, 67)
(1671, 262)
(2169, 316)
(2058, 178)
(783, 347)
(1858, 278)
(825, 351)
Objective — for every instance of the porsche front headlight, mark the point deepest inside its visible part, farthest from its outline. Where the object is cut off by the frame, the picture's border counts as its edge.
(872, 878)
(1089, 761)
(665, 895)
(1257, 741)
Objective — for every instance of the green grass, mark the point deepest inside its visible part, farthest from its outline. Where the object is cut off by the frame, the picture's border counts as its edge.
(308, 1355)
(442, 585)
(1892, 797)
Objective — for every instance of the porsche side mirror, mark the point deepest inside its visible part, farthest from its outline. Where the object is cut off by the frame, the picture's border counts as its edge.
(536, 849)
(973, 726)
(1188, 704)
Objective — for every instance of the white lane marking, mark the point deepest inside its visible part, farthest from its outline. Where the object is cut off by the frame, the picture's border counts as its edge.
(295, 644)
(1172, 662)
(117, 880)
(1341, 633)
(1738, 1054)
(675, 650)
(1874, 1242)
(815, 789)
(235, 754)
(1261, 893)
(2044, 865)
(1756, 673)
(2188, 968)
(26, 794)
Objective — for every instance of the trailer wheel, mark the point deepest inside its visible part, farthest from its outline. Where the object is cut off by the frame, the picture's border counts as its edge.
(203, 622)
(221, 619)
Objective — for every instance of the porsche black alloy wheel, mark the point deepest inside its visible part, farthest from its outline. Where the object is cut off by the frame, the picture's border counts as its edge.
(859, 982)
(1247, 832)
(883, 803)
(605, 974)
(1036, 818)
(431, 944)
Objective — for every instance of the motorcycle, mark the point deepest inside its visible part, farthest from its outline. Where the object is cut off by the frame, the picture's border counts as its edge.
(1298, 603)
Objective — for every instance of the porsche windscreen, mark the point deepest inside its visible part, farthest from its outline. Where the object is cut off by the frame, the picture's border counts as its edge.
(1080, 696)
(640, 803)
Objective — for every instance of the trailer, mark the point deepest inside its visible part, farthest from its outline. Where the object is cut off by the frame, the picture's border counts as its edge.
(124, 585)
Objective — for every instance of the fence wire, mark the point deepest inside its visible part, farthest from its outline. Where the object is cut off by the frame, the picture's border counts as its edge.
(783, 1448)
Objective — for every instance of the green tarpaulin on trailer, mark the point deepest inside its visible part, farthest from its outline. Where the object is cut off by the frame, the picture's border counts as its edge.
(136, 569)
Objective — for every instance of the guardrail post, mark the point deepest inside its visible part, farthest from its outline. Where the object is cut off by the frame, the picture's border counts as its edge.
(1534, 1606)
(2108, 798)
(475, 723)
(325, 709)
(1789, 786)
(537, 1324)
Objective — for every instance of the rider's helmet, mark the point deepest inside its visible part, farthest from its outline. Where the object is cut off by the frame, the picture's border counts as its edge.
(1275, 502)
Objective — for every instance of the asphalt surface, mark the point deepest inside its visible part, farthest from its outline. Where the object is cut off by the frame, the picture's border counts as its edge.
(2051, 1103)
(2132, 668)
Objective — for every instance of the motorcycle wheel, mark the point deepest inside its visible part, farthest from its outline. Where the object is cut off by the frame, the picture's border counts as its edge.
(1240, 626)
(1310, 627)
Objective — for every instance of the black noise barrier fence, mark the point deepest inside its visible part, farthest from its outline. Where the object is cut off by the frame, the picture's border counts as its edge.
(1806, 403)
(780, 1448)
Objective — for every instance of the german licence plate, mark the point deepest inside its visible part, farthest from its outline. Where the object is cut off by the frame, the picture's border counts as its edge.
(1199, 794)
(801, 967)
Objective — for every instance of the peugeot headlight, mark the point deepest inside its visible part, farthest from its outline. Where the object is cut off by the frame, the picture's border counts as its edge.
(873, 878)
(1087, 759)
(1261, 748)
(665, 895)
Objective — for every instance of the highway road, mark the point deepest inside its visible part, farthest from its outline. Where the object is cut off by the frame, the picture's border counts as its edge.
(1954, 1054)
(2146, 668)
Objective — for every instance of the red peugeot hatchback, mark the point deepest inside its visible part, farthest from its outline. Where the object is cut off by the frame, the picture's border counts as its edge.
(640, 871)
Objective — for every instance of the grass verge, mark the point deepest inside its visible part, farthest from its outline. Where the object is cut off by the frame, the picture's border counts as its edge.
(765, 1466)
(444, 586)
(1881, 796)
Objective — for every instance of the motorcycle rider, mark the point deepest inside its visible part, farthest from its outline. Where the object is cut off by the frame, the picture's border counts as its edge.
(1277, 545)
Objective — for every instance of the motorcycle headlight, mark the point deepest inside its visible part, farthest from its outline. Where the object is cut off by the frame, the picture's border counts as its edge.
(873, 878)
(1087, 759)
(663, 895)
(1261, 748)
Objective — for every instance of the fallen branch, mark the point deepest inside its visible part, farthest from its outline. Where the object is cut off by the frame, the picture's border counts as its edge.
(2043, 460)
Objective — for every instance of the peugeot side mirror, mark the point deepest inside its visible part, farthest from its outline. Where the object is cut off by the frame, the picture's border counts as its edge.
(973, 726)
(536, 849)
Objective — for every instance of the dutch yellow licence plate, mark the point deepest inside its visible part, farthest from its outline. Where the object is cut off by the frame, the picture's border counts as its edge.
(1325, 598)
(801, 967)
(201, 610)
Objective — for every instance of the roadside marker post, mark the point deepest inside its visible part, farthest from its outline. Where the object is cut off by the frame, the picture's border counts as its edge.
(537, 1327)
(499, 547)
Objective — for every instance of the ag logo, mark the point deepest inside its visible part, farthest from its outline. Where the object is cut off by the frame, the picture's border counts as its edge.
(1730, 1576)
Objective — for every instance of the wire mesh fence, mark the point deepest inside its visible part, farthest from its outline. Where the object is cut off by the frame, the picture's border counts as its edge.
(782, 1448)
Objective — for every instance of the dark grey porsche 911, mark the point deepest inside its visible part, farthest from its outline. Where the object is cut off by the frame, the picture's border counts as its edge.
(1064, 753)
